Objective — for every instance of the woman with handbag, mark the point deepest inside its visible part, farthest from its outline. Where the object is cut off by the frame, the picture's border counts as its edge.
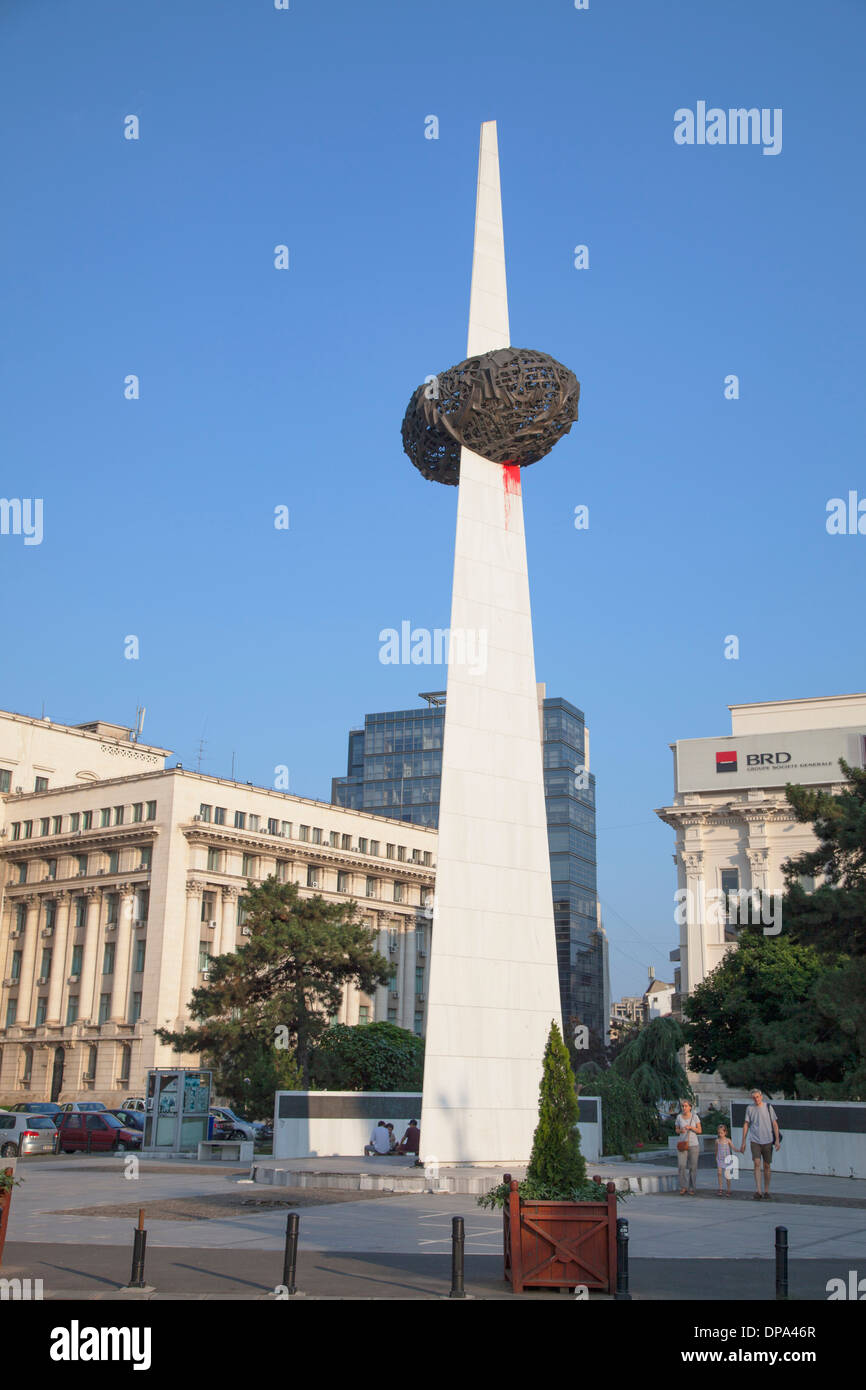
(688, 1127)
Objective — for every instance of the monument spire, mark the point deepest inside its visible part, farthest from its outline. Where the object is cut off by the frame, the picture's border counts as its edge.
(493, 985)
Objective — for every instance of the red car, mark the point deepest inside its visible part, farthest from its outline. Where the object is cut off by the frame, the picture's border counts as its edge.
(105, 1133)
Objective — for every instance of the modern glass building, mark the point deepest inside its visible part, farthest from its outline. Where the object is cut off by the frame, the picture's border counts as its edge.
(394, 769)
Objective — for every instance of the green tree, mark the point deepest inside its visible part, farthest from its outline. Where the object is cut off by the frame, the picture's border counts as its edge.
(650, 1061)
(833, 917)
(369, 1057)
(626, 1120)
(275, 994)
(556, 1163)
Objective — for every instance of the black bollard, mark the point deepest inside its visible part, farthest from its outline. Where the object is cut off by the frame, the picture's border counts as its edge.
(458, 1239)
(89, 1140)
(781, 1261)
(622, 1294)
(139, 1246)
(290, 1258)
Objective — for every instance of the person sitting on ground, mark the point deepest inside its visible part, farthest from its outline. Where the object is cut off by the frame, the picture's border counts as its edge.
(380, 1140)
(392, 1145)
(411, 1141)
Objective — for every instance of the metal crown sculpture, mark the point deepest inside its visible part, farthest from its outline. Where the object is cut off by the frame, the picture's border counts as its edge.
(510, 406)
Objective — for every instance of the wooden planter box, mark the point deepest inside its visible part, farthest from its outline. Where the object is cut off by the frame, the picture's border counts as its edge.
(558, 1245)
(5, 1203)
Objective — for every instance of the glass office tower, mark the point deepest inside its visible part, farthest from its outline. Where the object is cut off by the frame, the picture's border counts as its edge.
(394, 769)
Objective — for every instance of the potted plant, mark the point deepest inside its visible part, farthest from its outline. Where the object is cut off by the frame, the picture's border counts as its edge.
(8, 1180)
(559, 1228)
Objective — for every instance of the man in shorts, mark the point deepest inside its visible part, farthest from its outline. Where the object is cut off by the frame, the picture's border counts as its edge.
(761, 1122)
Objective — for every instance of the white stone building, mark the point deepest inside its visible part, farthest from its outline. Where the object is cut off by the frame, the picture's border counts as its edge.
(116, 888)
(734, 827)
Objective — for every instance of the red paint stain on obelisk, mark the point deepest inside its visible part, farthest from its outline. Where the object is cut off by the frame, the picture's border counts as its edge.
(511, 485)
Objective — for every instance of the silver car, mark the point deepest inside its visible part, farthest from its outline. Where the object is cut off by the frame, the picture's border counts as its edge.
(26, 1134)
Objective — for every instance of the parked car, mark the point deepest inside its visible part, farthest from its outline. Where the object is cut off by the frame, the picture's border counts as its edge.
(35, 1107)
(228, 1125)
(22, 1133)
(132, 1119)
(104, 1131)
(86, 1105)
(264, 1131)
(134, 1103)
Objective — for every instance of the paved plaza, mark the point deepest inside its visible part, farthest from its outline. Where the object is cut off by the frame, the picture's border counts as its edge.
(381, 1245)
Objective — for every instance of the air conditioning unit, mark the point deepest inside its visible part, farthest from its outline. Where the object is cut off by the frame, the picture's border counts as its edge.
(395, 994)
(82, 873)
(140, 922)
(205, 974)
(47, 931)
(9, 983)
(43, 980)
(246, 931)
(15, 932)
(111, 926)
(393, 947)
(420, 998)
(49, 878)
(212, 925)
(100, 871)
(197, 817)
(73, 979)
(89, 1076)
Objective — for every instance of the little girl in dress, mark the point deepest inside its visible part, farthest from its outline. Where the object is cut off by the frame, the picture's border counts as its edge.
(724, 1158)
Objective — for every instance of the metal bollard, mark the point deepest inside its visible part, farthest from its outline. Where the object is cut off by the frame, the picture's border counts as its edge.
(290, 1258)
(622, 1294)
(781, 1261)
(89, 1140)
(139, 1245)
(458, 1240)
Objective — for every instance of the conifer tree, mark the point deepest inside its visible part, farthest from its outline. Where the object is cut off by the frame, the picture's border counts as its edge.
(556, 1163)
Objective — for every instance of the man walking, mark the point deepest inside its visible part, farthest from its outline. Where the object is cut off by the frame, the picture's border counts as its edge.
(761, 1122)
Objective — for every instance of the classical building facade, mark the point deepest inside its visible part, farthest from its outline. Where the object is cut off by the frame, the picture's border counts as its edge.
(117, 889)
(734, 827)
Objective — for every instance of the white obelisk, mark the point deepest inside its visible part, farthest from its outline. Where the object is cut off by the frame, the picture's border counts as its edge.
(493, 986)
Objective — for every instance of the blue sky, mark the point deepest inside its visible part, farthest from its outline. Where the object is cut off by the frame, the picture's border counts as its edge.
(262, 387)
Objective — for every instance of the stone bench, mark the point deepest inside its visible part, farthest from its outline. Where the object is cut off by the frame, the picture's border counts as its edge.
(231, 1150)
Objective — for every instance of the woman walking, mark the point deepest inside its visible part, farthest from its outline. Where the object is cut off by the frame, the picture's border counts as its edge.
(688, 1127)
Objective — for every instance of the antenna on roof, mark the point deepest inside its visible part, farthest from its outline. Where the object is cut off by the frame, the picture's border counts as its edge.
(201, 744)
(140, 712)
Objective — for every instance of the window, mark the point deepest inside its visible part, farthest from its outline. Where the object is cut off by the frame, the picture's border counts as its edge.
(81, 912)
(242, 912)
(342, 882)
(215, 859)
(240, 820)
(41, 1009)
(389, 851)
(312, 876)
(16, 830)
(108, 958)
(43, 825)
(125, 1061)
(56, 825)
(81, 864)
(371, 887)
(254, 822)
(135, 1014)
(138, 811)
(51, 867)
(303, 832)
(334, 840)
(16, 965)
(273, 826)
(401, 853)
(92, 1053)
(394, 940)
(28, 1064)
(419, 1023)
(730, 891)
(286, 827)
(345, 841)
(20, 916)
(11, 1012)
(28, 830)
(146, 857)
(362, 845)
(118, 815)
(87, 820)
(138, 961)
(398, 892)
(104, 1007)
(219, 815)
(22, 873)
(205, 812)
(151, 811)
(41, 784)
(419, 979)
(249, 866)
(105, 816)
(317, 835)
(113, 904)
(5, 779)
(364, 1013)
(74, 821)
(114, 862)
(282, 869)
(203, 956)
(208, 907)
(392, 1015)
(50, 914)
(45, 963)
(72, 1009)
(140, 906)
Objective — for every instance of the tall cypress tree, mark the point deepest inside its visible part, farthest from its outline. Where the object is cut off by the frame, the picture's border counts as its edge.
(556, 1163)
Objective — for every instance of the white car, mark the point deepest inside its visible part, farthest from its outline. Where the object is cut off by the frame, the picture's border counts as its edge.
(21, 1133)
(231, 1125)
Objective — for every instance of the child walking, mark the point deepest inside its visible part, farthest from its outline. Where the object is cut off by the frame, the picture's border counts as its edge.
(724, 1159)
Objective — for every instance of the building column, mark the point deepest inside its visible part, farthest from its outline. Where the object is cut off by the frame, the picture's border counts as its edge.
(191, 940)
(58, 959)
(696, 951)
(119, 1010)
(89, 993)
(759, 866)
(380, 1006)
(228, 927)
(26, 1007)
(407, 997)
